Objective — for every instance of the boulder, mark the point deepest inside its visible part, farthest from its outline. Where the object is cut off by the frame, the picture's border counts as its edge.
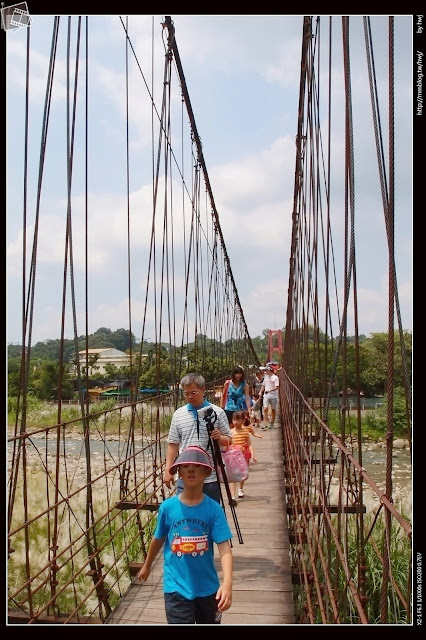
(399, 444)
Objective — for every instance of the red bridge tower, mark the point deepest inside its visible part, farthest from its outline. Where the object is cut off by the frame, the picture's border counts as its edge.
(275, 345)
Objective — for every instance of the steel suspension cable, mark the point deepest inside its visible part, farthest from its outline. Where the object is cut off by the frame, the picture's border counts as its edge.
(383, 184)
(28, 312)
(173, 48)
(391, 334)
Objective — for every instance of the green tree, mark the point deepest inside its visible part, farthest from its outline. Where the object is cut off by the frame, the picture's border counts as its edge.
(92, 358)
(13, 375)
(51, 349)
(111, 372)
(156, 377)
(350, 364)
(122, 339)
(374, 357)
(377, 419)
(46, 384)
(96, 341)
(14, 350)
(156, 370)
(104, 330)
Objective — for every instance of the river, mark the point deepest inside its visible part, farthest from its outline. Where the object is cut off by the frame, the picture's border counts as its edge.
(373, 460)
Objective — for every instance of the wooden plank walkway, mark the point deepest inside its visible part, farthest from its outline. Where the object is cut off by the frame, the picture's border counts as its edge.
(262, 586)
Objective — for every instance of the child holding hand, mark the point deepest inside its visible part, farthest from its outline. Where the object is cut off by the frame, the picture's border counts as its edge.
(250, 428)
(241, 439)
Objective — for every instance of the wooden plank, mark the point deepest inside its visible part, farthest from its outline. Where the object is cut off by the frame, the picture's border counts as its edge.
(262, 588)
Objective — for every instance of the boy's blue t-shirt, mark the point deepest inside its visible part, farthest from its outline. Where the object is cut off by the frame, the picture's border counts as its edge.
(188, 549)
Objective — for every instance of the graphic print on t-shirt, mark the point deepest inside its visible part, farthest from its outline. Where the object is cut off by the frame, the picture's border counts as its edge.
(190, 537)
(190, 544)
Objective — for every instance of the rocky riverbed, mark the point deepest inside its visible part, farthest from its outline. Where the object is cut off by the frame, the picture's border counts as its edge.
(374, 457)
(113, 448)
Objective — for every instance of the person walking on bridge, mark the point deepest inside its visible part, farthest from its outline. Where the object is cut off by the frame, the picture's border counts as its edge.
(249, 427)
(188, 428)
(255, 392)
(190, 523)
(270, 386)
(241, 439)
(236, 394)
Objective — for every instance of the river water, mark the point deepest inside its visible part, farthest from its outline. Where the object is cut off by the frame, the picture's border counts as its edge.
(373, 460)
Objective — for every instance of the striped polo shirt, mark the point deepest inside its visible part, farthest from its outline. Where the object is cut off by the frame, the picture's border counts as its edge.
(183, 431)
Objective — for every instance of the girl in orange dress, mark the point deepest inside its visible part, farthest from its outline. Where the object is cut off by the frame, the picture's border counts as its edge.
(241, 439)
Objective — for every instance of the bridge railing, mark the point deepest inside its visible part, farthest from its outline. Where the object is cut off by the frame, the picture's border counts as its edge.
(350, 564)
(83, 495)
(82, 498)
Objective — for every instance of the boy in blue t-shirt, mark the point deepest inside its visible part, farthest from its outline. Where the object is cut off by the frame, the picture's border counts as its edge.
(190, 523)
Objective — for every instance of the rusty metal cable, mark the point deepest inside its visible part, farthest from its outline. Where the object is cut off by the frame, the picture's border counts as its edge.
(390, 353)
(90, 556)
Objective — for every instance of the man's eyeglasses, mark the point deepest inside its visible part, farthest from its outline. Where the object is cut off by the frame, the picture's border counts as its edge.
(191, 393)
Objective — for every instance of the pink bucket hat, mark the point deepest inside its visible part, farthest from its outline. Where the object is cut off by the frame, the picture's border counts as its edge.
(192, 455)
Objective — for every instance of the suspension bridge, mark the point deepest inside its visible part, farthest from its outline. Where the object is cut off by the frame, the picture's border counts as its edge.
(84, 488)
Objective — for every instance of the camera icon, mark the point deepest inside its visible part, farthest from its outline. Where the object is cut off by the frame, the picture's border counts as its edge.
(15, 17)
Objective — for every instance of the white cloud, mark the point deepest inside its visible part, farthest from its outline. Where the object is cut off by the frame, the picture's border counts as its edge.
(39, 65)
(243, 80)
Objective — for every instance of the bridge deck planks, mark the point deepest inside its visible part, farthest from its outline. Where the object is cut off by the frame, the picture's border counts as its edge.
(262, 588)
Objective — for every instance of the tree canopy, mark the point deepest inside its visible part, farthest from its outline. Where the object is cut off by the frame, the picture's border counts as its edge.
(214, 359)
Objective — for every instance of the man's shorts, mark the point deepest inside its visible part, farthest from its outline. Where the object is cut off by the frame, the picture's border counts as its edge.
(270, 402)
(180, 610)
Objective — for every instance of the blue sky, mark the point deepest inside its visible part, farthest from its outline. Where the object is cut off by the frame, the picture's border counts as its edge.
(242, 74)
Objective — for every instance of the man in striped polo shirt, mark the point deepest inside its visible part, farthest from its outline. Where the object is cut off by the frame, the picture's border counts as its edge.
(188, 428)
